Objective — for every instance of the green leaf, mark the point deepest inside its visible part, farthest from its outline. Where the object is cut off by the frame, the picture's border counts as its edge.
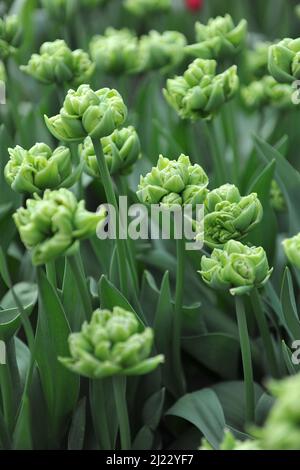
(71, 299)
(203, 409)
(111, 297)
(78, 426)
(288, 179)
(288, 303)
(22, 433)
(10, 317)
(153, 409)
(144, 439)
(60, 386)
(287, 355)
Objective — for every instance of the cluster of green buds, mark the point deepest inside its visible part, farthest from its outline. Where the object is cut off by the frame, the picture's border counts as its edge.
(229, 216)
(284, 60)
(121, 149)
(161, 50)
(174, 182)
(146, 7)
(267, 92)
(88, 113)
(256, 60)
(56, 63)
(39, 168)
(113, 343)
(237, 268)
(200, 93)
(116, 51)
(9, 35)
(219, 38)
(292, 249)
(277, 199)
(52, 226)
(282, 428)
(231, 443)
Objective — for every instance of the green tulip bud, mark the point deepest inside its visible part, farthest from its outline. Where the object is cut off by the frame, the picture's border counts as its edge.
(229, 215)
(53, 225)
(200, 93)
(39, 168)
(113, 343)
(281, 430)
(284, 60)
(219, 38)
(116, 52)
(277, 200)
(121, 149)
(161, 50)
(256, 60)
(267, 92)
(56, 63)
(146, 7)
(88, 113)
(174, 182)
(9, 35)
(237, 268)
(292, 249)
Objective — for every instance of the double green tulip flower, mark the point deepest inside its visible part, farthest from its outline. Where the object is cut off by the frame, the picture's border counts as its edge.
(284, 60)
(39, 168)
(116, 51)
(88, 113)
(174, 182)
(200, 93)
(9, 35)
(121, 149)
(113, 343)
(161, 50)
(229, 216)
(292, 249)
(219, 38)
(146, 7)
(56, 63)
(267, 92)
(52, 226)
(237, 268)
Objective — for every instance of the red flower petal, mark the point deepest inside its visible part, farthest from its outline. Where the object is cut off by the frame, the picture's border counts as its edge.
(194, 5)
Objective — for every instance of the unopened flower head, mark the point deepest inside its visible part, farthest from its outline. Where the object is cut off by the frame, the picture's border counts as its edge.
(200, 93)
(237, 268)
(121, 150)
(52, 226)
(113, 343)
(39, 168)
(9, 35)
(56, 63)
(267, 92)
(146, 7)
(292, 249)
(284, 60)
(281, 430)
(277, 199)
(256, 60)
(174, 182)
(116, 52)
(219, 38)
(229, 216)
(88, 113)
(161, 50)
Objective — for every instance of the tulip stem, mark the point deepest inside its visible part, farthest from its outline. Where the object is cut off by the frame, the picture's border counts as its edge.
(7, 394)
(230, 128)
(82, 286)
(99, 413)
(119, 386)
(180, 246)
(217, 157)
(246, 359)
(111, 199)
(264, 332)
